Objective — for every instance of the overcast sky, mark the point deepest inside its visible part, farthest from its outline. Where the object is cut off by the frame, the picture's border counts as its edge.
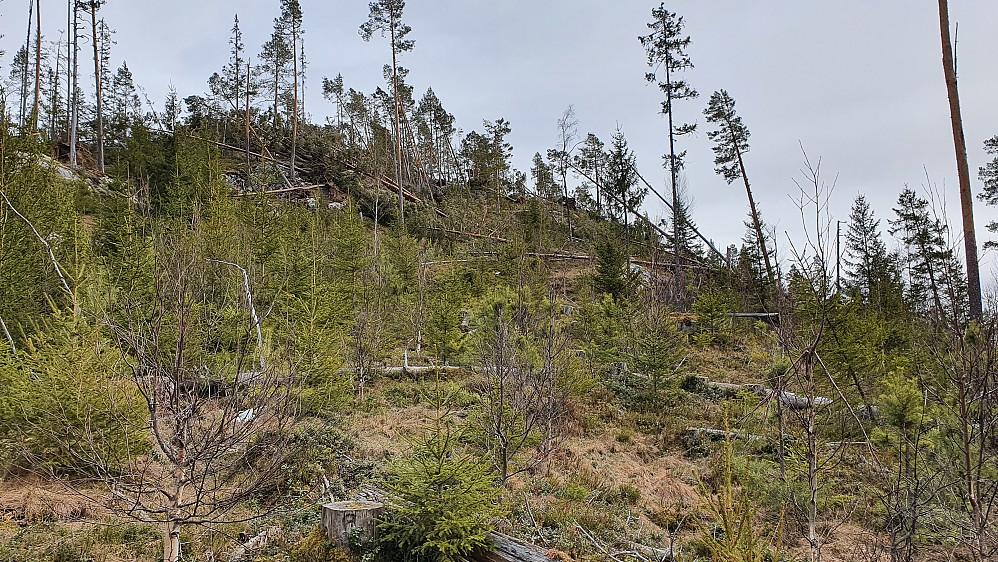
(858, 83)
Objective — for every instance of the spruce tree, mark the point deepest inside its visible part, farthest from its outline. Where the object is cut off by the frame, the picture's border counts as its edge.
(866, 253)
(689, 243)
(622, 183)
(230, 83)
(591, 163)
(543, 176)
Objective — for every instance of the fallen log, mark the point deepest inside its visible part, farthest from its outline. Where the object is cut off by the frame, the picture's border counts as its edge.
(257, 542)
(507, 549)
(469, 234)
(789, 399)
(717, 434)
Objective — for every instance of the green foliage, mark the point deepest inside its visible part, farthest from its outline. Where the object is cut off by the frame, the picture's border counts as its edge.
(612, 276)
(446, 499)
(658, 347)
(315, 547)
(63, 397)
(604, 329)
(735, 533)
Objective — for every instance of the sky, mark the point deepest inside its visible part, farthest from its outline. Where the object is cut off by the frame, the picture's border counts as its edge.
(857, 84)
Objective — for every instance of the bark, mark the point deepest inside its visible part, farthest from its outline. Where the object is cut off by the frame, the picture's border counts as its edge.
(74, 88)
(672, 173)
(398, 124)
(97, 75)
(23, 107)
(171, 542)
(339, 519)
(38, 62)
(963, 169)
(249, 74)
(294, 111)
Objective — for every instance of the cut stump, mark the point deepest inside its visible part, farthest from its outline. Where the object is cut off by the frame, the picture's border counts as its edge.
(339, 519)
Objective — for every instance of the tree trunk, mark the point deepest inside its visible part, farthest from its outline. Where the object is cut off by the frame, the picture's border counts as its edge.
(23, 108)
(38, 63)
(97, 75)
(963, 169)
(171, 542)
(339, 519)
(249, 74)
(398, 126)
(294, 110)
(74, 88)
(675, 187)
(755, 213)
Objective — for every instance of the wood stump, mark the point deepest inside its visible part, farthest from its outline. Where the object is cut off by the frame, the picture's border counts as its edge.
(339, 519)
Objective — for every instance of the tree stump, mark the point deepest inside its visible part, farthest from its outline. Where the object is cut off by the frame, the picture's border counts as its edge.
(339, 519)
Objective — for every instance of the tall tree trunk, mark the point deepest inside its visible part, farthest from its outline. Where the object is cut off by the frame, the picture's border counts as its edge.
(249, 74)
(22, 115)
(75, 112)
(53, 118)
(756, 223)
(675, 187)
(398, 126)
(277, 91)
(294, 110)
(97, 75)
(963, 169)
(38, 63)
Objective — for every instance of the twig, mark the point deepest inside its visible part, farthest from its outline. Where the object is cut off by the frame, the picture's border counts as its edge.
(595, 542)
(10, 339)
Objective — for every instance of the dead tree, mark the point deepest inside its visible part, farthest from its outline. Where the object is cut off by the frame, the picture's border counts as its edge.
(963, 169)
(215, 435)
(515, 396)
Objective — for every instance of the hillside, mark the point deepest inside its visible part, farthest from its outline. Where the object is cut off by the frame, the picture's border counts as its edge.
(220, 315)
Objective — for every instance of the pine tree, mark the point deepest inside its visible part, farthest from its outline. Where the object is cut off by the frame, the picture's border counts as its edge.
(386, 18)
(665, 48)
(99, 41)
(963, 169)
(731, 142)
(292, 16)
(277, 56)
